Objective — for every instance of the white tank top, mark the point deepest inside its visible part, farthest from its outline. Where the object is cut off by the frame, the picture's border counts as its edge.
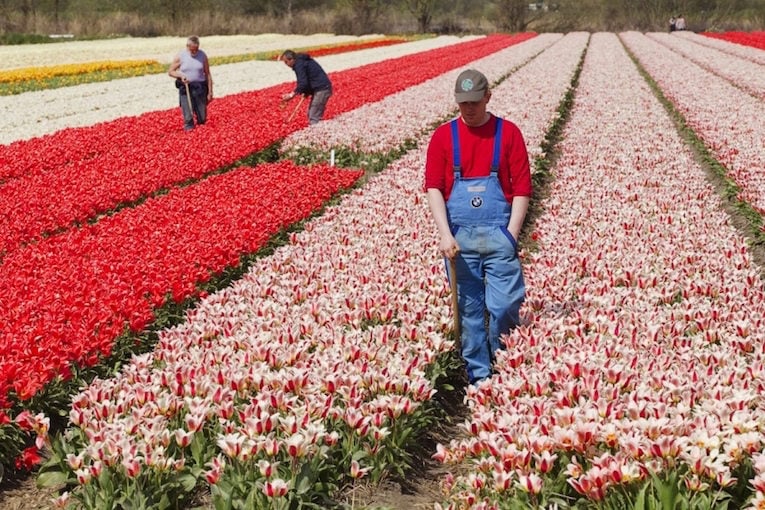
(193, 66)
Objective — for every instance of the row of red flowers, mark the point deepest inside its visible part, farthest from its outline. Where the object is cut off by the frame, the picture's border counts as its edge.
(92, 170)
(754, 39)
(68, 297)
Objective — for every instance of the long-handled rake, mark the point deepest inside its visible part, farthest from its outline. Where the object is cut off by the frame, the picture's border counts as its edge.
(455, 304)
(302, 98)
(188, 97)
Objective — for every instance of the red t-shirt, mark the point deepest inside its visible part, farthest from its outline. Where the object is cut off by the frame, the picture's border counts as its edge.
(476, 152)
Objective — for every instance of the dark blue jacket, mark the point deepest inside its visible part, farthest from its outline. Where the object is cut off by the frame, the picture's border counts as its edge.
(310, 76)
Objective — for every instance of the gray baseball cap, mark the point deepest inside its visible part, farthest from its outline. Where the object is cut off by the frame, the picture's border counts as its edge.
(471, 86)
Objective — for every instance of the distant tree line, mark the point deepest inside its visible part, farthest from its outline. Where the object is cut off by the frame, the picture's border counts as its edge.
(101, 18)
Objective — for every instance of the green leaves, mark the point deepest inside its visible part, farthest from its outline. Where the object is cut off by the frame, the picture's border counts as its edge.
(53, 479)
(667, 490)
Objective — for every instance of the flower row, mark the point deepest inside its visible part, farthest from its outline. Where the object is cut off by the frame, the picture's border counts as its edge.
(740, 71)
(45, 73)
(640, 368)
(371, 127)
(161, 49)
(754, 39)
(747, 52)
(333, 49)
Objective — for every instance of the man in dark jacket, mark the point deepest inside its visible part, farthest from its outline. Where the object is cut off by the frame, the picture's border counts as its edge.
(311, 81)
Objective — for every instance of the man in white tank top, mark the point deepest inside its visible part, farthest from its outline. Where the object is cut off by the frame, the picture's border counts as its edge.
(191, 71)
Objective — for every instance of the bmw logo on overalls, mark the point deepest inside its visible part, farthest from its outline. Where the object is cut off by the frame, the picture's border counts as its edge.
(476, 202)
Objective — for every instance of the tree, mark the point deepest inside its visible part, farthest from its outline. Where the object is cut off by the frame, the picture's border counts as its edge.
(642, 14)
(59, 6)
(515, 15)
(28, 12)
(422, 10)
(365, 13)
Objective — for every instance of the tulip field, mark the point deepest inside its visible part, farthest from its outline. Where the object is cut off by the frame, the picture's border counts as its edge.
(254, 314)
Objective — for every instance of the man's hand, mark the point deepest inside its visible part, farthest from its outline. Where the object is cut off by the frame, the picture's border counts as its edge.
(448, 247)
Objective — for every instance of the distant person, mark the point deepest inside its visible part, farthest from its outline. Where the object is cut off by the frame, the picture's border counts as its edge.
(191, 71)
(680, 23)
(672, 24)
(311, 81)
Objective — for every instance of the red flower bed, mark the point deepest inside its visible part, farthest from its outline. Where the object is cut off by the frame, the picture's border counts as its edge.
(754, 39)
(92, 170)
(66, 298)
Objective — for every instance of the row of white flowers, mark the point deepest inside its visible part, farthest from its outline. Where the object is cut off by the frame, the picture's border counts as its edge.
(33, 114)
(740, 50)
(386, 124)
(162, 49)
(532, 103)
(743, 72)
(646, 315)
(725, 117)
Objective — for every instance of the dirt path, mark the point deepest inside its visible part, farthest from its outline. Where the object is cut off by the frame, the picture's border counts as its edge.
(422, 488)
(24, 495)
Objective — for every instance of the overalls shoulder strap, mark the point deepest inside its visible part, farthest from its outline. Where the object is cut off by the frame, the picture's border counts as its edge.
(497, 147)
(456, 156)
(456, 159)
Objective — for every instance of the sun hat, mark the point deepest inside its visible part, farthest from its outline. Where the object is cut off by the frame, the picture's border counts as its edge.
(471, 86)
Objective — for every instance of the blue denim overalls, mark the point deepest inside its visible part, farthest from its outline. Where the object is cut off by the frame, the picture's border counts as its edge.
(489, 273)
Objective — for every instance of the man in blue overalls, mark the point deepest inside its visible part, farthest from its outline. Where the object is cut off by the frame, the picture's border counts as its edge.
(478, 185)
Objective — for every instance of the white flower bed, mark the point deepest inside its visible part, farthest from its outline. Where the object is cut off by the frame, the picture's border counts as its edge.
(162, 49)
(740, 71)
(740, 50)
(32, 114)
(386, 124)
(726, 118)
